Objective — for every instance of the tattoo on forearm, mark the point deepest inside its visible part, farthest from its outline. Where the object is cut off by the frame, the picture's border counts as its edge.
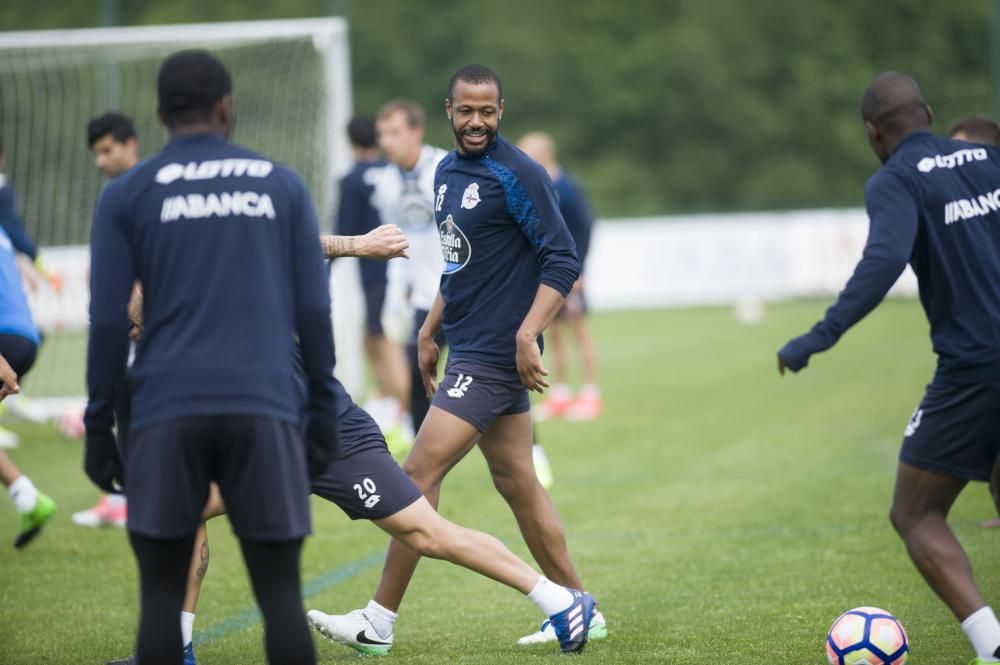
(338, 246)
(203, 565)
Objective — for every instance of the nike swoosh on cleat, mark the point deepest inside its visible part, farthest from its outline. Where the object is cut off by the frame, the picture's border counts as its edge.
(363, 639)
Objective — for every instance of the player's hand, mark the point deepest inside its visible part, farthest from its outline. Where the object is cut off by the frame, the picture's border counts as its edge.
(322, 442)
(102, 462)
(428, 353)
(385, 242)
(8, 380)
(529, 364)
(782, 365)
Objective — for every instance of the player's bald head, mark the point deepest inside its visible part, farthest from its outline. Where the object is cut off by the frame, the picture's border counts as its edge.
(893, 99)
(539, 146)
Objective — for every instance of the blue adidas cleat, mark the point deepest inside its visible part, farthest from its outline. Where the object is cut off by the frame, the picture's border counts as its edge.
(572, 625)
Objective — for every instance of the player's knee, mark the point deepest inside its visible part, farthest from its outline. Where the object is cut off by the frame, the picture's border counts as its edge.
(512, 485)
(903, 518)
(427, 542)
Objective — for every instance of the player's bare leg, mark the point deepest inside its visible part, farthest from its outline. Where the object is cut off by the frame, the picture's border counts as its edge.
(994, 523)
(422, 529)
(390, 369)
(444, 439)
(920, 506)
(506, 445)
(557, 349)
(199, 566)
(587, 347)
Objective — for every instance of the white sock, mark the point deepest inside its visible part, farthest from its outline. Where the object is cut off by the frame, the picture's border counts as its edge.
(24, 493)
(117, 500)
(590, 390)
(550, 597)
(187, 626)
(382, 619)
(983, 631)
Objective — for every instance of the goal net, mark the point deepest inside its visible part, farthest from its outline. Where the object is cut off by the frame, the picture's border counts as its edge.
(293, 99)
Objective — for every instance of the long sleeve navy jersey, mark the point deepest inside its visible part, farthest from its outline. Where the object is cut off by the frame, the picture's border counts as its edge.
(576, 212)
(935, 204)
(11, 222)
(357, 216)
(502, 235)
(225, 244)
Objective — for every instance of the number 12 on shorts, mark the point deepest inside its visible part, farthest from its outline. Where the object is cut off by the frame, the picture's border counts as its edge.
(366, 492)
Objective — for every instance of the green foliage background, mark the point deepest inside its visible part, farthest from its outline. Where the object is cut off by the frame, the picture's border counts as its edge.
(658, 105)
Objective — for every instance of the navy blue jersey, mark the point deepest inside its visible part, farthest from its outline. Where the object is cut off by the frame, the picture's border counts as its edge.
(225, 244)
(10, 222)
(502, 235)
(357, 216)
(935, 205)
(576, 212)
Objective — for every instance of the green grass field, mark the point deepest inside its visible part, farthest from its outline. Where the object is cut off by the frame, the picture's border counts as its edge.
(720, 514)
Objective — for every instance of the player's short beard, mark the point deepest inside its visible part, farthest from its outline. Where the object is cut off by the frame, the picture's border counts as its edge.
(491, 135)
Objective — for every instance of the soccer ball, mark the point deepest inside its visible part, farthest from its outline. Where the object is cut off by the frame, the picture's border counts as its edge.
(866, 636)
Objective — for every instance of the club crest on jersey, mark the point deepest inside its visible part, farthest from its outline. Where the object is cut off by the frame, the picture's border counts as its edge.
(470, 199)
(454, 246)
(440, 197)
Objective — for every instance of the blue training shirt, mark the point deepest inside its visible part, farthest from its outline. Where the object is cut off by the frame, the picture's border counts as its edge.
(502, 235)
(11, 223)
(225, 242)
(15, 316)
(935, 204)
(576, 212)
(357, 216)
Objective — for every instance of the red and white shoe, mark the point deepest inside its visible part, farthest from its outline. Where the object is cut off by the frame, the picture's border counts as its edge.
(108, 511)
(587, 406)
(556, 404)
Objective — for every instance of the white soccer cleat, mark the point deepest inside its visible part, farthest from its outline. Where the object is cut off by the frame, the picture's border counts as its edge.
(352, 630)
(546, 633)
(106, 512)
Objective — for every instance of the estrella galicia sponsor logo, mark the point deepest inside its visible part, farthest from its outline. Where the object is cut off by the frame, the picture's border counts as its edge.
(470, 199)
(215, 168)
(454, 245)
(957, 158)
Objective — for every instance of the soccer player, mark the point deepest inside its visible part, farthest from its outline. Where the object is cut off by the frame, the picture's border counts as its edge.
(356, 215)
(573, 206)
(404, 195)
(19, 339)
(975, 128)
(224, 242)
(112, 139)
(932, 204)
(509, 263)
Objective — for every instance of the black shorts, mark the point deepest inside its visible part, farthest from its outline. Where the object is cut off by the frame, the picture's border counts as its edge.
(479, 394)
(374, 303)
(955, 431)
(259, 464)
(364, 480)
(19, 352)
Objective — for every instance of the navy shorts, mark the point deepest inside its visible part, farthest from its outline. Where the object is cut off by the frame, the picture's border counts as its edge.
(478, 393)
(374, 302)
(955, 431)
(258, 462)
(364, 480)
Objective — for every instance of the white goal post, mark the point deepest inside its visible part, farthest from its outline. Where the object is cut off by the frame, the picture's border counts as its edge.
(292, 89)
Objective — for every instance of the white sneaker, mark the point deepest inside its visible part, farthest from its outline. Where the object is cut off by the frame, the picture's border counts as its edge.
(543, 468)
(546, 633)
(352, 630)
(8, 439)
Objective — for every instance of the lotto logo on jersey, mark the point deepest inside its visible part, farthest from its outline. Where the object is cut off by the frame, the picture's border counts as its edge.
(957, 158)
(454, 246)
(214, 168)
